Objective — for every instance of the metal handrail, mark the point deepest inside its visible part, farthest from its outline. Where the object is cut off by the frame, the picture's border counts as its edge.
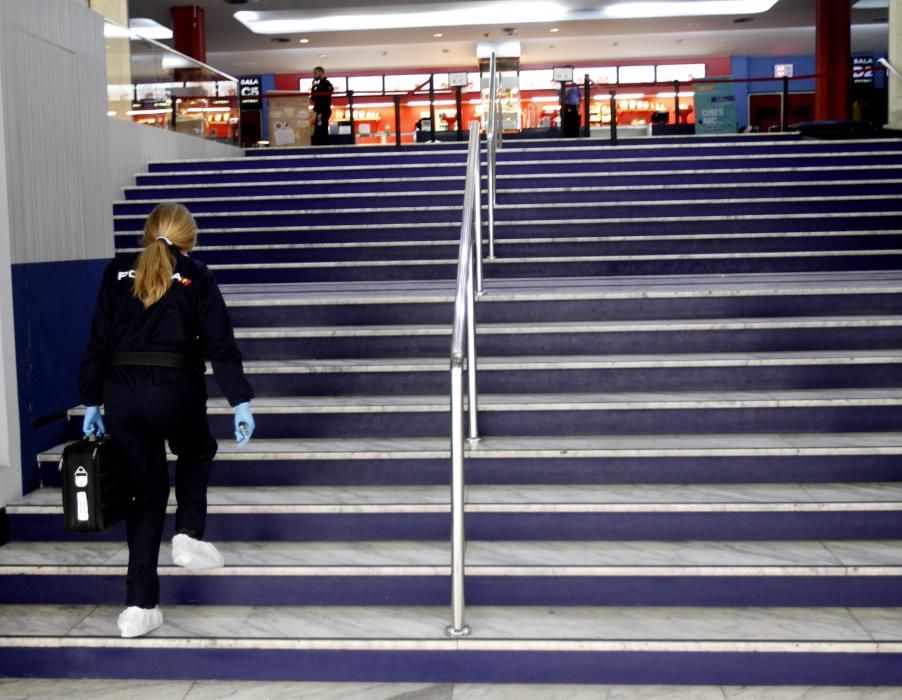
(463, 356)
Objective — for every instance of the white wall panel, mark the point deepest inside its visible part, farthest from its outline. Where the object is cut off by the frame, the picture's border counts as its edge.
(54, 90)
(133, 146)
(10, 458)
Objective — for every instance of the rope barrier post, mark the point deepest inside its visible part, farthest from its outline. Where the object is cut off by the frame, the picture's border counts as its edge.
(432, 108)
(613, 117)
(586, 106)
(784, 107)
(676, 105)
(351, 116)
(397, 100)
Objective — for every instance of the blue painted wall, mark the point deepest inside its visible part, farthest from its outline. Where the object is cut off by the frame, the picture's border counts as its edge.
(53, 304)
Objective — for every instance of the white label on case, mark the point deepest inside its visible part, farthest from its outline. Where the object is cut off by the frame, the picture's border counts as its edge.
(81, 498)
(81, 477)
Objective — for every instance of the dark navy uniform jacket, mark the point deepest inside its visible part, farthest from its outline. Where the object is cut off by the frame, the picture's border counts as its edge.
(321, 94)
(189, 319)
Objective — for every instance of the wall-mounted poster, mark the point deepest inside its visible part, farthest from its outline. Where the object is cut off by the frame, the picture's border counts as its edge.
(715, 108)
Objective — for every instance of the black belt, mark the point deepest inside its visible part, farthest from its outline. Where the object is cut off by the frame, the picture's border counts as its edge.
(153, 359)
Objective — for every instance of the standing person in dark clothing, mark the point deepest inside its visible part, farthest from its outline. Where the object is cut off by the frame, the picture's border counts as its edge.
(159, 316)
(570, 119)
(321, 96)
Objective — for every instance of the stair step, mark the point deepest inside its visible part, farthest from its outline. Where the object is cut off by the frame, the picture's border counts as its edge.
(512, 573)
(663, 645)
(526, 512)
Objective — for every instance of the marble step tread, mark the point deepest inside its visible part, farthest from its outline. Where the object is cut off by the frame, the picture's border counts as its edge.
(525, 628)
(570, 288)
(583, 362)
(668, 325)
(616, 446)
(135, 689)
(613, 401)
(625, 558)
(532, 498)
(343, 196)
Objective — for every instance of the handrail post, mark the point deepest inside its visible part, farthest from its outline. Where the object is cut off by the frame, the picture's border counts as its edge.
(457, 628)
(472, 396)
(491, 144)
(613, 117)
(676, 105)
(351, 116)
(432, 107)
(458, 103)
(397, 100)
(587, 106)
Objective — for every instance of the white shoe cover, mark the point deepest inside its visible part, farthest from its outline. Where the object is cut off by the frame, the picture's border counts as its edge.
(195, 554)
(136, 622)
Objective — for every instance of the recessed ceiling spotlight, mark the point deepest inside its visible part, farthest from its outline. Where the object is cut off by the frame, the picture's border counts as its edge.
(555, 30)
(303, 41)
(236, 2)
(742, 20)
(437, 35)
(280, 40)
(446, 51)
(323, 55)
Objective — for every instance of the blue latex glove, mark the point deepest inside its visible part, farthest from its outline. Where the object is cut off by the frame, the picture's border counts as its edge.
(244, 423)
(93, 424)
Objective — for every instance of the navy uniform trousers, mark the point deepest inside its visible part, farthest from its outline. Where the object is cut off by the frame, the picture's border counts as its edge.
(144, 408)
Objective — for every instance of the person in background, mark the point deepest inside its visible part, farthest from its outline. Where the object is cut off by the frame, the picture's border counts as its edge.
(159, 316)
(321, 96)
(570, 120)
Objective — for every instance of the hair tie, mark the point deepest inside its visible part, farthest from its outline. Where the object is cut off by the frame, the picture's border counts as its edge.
(163, 238)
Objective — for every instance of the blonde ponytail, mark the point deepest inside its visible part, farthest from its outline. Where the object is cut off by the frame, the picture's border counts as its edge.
(156, 264)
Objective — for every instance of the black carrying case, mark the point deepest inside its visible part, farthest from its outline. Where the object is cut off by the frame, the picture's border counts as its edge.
(95, 493)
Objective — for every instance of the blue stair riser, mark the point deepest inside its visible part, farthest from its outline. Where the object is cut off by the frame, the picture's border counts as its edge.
(297, 184)
(661, 526)
(615, 421)
(417, 233)
(458, 666)
(562, 343)
(278, 203)
(578, 198)
(415, 250)
(546, 311)
(696, 591)
(748, 378)
(528, 469)
(320, 160)
(303, 175)
(566, 268)
(654, 164)
(289, 212)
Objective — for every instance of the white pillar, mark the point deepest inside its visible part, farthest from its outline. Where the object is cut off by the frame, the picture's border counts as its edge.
(895, 59)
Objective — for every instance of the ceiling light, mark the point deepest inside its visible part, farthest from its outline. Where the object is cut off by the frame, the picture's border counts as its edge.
(437, 35)
(554, 31)
(871, 5)
(303, 41)
(149, 29)
(323, 55)
(439, 15)
(688, 8)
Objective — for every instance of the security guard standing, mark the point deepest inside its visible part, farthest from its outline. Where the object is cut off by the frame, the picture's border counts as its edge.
(159, 316)
(321, 96)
